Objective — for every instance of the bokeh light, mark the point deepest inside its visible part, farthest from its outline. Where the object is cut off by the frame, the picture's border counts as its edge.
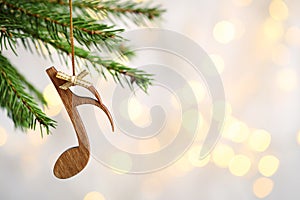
(268, 165)
(52, 111)
(135, 109)
(240, 28)
(262, 187)
(199, 90)
(224, 32)
(3, 136)
(228, 110)
(298, 137)
(239, 165)
(194, 154)
(190, 119)
(235, 130)
(51, 96)
(222, 155)
(278, 10)
(273, 30)
(243, 66)
(138, 113)
(182, 166)
(287, 79)
(54, 104)
(94, 196)
(259, 140)
(218, 61)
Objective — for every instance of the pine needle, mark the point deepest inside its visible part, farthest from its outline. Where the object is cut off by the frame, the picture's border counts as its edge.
(20, 106)
(43, 25)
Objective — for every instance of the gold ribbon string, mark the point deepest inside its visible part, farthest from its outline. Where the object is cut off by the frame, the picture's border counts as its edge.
(73, 80)
(72, 37)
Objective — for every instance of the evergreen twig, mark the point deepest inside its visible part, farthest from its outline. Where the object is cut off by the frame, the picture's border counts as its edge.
(20, 106)
(133, 11)
(44, 25)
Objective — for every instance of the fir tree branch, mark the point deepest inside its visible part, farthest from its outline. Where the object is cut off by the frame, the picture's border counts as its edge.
(5, 36)
(42, 24)
(56, 20)
(119, 72)
(39, 96)
(129, 9)
(121, 8)
(19, 105)
(38, 31)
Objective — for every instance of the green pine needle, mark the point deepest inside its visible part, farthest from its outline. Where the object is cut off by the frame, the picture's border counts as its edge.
(43, 25)
(20, 106)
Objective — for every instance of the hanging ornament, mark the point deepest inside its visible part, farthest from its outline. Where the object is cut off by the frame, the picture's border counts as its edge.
(74, 159)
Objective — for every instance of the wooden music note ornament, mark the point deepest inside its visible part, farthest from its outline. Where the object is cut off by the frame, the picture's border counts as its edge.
(74, 159)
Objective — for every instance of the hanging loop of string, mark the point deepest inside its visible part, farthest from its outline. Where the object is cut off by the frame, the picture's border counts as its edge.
(72, 80)
(72, 37)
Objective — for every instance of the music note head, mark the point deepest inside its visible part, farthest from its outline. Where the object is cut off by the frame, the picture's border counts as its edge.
(71, 162)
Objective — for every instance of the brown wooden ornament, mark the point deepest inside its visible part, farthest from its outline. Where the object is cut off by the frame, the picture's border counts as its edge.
(74, 159)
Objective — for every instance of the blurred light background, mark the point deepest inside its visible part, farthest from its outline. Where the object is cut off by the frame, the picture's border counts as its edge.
(255, 46)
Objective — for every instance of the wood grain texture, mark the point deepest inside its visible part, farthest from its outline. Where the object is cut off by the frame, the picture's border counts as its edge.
(74, 159)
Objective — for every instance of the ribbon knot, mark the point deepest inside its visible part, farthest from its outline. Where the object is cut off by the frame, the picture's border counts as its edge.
(73, 80)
